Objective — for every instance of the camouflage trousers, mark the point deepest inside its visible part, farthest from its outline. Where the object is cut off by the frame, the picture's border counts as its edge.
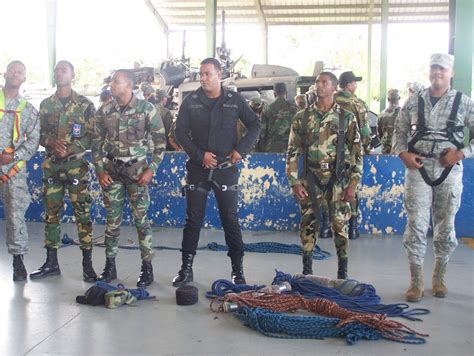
(16, 198)
(139, 199)
(71, 177)
(441, 203)
(339, 214)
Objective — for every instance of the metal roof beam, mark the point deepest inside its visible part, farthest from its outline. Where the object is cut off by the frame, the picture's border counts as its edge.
(364, 15)
(263, 22)
(352, 6)
(154, 11)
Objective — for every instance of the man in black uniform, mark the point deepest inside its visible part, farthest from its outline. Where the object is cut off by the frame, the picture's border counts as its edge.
(207, 129)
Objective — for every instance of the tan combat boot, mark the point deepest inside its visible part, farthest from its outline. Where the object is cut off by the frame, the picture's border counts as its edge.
(415, 292)
(439, 288)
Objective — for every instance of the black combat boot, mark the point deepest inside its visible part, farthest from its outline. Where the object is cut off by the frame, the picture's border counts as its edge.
(238, 270)
(325, 231)
(342, 268)
(19, 270)
(307, 263)
(50, 267)
(185, 274)
(88, 273)
(110, 272)
(146, 275)
(353, 228)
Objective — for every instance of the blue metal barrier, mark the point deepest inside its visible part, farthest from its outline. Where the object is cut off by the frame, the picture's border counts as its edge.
(266, 202)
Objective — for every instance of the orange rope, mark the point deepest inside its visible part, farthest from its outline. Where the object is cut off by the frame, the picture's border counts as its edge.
(291, 303)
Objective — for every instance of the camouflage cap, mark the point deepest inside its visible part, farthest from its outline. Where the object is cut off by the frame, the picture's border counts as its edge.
(442, 59)
(393, 94)
(256, 102)
(415, 87)
(160, 94)
(146, 88)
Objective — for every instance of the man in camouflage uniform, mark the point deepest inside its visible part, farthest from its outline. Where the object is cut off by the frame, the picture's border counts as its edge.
(386, 120)
(328, 175)
(276, 122)
(119, 151)
(66, 119)
(347, 99)
(165, 114)
(429, 152)
(19, 142)
(147, 92)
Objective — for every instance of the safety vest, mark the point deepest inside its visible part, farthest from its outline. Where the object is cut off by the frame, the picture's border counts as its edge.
(16, 133)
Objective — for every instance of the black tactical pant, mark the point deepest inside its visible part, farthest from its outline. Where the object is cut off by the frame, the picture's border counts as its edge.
(196, 200)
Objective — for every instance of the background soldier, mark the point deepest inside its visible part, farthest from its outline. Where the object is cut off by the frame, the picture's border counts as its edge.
(332, 170)
(300, 101)
(165, 114)
(19, 142)
(431, 147)
(386, 120)
(276, 122)
(347, 100)
(66, 119)
(119, 150)
(207, 130)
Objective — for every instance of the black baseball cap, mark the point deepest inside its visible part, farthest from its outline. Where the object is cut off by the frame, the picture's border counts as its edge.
(348, 77)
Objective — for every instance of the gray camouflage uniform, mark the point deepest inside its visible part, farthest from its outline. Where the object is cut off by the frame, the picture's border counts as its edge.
(420, 198)
(14, 193)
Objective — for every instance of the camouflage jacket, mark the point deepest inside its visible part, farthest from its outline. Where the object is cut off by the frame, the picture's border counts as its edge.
(72, 122)
(436, 118)
(124, 134)
(167, 119)
(276, 123)
(385, 126)
(352, 103)
(319, 141)
(29, 134)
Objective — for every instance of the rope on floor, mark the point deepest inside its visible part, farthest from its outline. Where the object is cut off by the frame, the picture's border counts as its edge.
(282, 326)
(366, 301)
(259, 247)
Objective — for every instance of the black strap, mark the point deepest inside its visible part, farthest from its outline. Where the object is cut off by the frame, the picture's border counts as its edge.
(449, 131)
(119, 162)
(340, 156)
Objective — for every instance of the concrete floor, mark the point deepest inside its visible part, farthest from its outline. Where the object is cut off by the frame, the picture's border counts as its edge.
(42, 317)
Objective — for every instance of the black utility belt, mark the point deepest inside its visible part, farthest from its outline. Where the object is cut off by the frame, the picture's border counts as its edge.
(55, 159)
(128, 163)
(324, 166)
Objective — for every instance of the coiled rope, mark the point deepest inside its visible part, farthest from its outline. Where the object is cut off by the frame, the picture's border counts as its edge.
(282, 326)
(390, 329)
(366, 302)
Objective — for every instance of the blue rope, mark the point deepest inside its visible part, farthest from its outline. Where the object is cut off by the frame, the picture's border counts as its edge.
(260, 247)
(222, 286)
(366, 302)
(139, 293)
(283, 326)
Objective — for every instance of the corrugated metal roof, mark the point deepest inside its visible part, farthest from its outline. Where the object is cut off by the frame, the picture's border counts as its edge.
(178, 13)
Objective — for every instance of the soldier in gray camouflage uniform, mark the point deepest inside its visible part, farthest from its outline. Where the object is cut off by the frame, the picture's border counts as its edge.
(19, 142)
(119, 150)
(429, 152)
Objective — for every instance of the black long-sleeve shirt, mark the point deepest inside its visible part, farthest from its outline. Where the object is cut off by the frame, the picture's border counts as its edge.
(207, 125)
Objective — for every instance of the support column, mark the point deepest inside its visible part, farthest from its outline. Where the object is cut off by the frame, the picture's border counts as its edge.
(384, 56)
(51, 10)
(211, 15)
(462, 46)
(369, 53)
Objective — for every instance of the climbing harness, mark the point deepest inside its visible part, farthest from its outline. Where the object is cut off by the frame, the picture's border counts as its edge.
(420, 131)
(205, 186)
